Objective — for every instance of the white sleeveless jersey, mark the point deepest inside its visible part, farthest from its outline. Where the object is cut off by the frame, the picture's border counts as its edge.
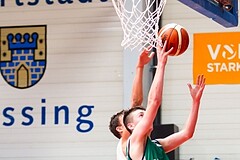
(120, 154)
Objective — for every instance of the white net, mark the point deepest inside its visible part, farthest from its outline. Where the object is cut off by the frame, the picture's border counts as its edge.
(140, 21)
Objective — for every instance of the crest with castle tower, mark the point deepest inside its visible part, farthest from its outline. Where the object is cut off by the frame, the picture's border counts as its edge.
(23, 55)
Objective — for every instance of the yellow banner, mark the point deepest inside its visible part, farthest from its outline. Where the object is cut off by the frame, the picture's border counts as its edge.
(217, 56)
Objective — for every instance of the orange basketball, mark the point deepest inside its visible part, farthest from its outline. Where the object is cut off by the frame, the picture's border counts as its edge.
(176, 36)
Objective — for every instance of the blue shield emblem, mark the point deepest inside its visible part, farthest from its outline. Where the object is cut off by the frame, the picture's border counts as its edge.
(23, 55)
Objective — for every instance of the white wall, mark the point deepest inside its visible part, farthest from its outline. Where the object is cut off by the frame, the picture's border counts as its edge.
(84, 67)
(218, 130)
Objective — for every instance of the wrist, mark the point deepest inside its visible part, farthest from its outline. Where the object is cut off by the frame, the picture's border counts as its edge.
(140, 66)
(196, 101)
(161, 65)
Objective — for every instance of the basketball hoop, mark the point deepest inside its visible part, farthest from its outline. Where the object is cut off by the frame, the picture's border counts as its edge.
(140, 21)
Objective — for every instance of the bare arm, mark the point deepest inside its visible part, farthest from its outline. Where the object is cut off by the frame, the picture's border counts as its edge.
(144, 126)
(137, 90)
(175, 140)
(154, 97)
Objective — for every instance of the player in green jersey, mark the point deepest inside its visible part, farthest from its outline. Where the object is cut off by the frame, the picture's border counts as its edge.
(140, 122)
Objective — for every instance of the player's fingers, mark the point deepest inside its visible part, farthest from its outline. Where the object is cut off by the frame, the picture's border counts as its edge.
(159, 46)
(165, 46)
(151, 55)
(189, 86)
(149, 48)
(146, 50)
(203, 81)
(198, 79)
(159, 42)
(170, 51)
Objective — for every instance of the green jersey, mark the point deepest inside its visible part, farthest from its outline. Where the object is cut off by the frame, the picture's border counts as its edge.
(153, 151)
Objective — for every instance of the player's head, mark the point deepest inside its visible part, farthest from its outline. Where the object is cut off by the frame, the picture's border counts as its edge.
(132, 117)
(116, 124)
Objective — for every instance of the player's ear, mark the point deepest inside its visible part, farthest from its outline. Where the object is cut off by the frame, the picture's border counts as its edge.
(119, 129)
(130, 126)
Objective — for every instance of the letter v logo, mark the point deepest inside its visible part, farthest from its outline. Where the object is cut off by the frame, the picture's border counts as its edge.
(214, 52)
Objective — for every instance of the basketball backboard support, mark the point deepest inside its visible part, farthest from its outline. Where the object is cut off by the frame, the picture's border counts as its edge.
(224, 12)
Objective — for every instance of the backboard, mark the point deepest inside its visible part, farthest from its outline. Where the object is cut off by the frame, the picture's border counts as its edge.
(224, 12)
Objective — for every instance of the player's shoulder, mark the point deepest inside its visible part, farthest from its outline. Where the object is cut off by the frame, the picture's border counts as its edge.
(120, 154)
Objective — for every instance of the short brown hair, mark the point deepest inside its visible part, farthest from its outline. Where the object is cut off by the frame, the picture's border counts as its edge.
(114, 122)
(127, 117)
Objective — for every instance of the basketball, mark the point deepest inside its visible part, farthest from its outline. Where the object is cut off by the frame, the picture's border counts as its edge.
(176, 37)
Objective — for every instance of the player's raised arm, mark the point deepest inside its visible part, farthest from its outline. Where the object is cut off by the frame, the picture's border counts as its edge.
(175, 140)
(155, 95)
(137, 89)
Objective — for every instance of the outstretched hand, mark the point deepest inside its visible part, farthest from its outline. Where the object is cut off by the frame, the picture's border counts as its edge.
(162, 54)
(196, 92)
(145, 57)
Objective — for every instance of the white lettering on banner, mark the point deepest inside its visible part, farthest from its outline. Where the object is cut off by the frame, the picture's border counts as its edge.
(223, 67)
(48, 2)
(229, 52)
(214, 53)
(84, 125)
